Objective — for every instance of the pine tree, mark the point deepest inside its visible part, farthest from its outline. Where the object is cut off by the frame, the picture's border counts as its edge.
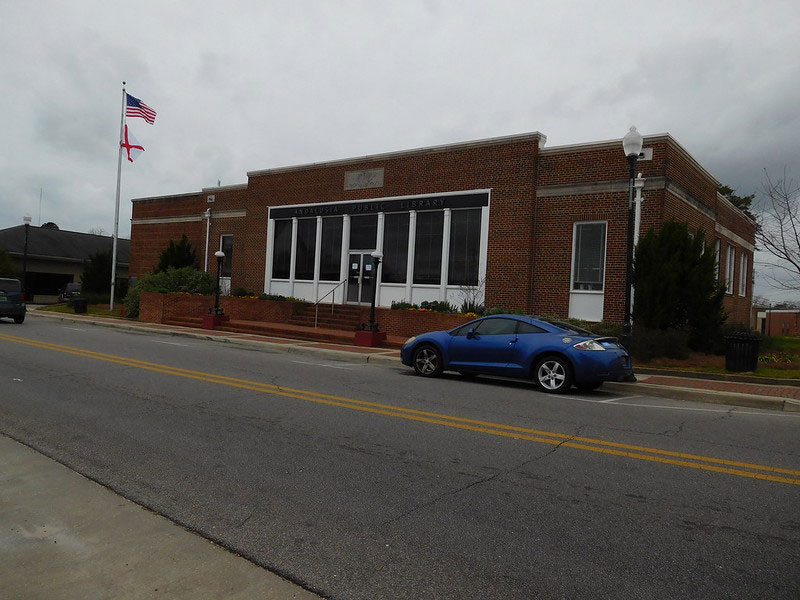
(176, 255)
(676, 284)
(96, 276)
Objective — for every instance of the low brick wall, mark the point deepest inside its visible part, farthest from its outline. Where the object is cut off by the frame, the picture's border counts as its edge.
(413, 322)
(159, 308)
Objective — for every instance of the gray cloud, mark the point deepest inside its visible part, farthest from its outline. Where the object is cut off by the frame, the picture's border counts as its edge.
(251, 85)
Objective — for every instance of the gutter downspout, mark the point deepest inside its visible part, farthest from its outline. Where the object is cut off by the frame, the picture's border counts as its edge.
(208, 228)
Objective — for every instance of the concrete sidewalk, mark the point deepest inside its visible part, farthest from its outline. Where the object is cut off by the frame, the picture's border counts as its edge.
(767, 394)
(64, 537)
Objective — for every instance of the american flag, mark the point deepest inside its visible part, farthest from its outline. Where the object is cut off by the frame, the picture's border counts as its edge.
(136, 108)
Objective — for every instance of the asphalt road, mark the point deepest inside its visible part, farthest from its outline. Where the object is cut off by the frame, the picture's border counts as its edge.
(365, 481)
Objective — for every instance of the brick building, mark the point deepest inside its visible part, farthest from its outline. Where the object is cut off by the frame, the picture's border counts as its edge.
(503, 220)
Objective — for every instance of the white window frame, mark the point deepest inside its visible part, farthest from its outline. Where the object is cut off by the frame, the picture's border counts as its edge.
(730, 269)
(572, 259)
(743, 274)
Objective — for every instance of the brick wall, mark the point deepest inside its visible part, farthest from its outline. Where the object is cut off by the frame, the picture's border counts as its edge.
(529, 238)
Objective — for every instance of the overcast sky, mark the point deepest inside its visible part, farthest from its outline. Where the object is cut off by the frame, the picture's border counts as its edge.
(248, 85)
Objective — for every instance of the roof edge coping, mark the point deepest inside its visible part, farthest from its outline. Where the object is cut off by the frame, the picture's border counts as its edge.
(618, 143)
(495, 141)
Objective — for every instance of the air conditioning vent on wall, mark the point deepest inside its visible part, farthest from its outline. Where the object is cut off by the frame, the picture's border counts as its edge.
(211, 198)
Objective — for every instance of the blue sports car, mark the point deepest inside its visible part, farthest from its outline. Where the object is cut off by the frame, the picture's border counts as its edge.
(555, 355)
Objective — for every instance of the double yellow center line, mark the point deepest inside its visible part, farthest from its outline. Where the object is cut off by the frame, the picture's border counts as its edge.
(681, 459)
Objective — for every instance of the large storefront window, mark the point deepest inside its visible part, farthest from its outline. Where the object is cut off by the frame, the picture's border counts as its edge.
(331, 251)
(589, 255)
(428, 247)
(282, 253)
(395, 248)
(306, 249)
(363, 232)
(465, 240)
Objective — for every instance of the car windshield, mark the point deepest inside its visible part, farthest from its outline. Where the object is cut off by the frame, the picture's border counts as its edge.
(567, 326)
(10, 285)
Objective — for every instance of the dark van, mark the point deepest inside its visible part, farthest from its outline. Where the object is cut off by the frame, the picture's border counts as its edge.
(11, 304)
(71, 290)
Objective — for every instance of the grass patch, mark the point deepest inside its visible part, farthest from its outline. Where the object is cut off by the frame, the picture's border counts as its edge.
(710, 363)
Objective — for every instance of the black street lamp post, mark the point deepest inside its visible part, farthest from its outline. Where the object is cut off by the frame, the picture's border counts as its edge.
(220, 257)
(632, 146)
(27, 221)
(376, 261)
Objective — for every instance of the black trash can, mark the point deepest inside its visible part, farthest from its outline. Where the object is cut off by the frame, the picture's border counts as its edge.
(80, 305)
(741, 352)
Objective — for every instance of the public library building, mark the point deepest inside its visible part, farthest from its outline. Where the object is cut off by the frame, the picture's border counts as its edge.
(505, 221)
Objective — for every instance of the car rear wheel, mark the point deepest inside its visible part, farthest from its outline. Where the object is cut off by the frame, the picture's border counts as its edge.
(19, 319)
(427, 361)
(553, 375)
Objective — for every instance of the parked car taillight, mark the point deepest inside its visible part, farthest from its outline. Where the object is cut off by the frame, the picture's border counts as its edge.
(588, 345)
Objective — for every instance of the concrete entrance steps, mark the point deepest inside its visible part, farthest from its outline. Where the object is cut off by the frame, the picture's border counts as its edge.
(343, 317)
(287, 330)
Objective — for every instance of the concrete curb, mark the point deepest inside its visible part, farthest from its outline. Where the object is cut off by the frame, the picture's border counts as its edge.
(264, 345)
(695, 395)
(634, 389)
(719, 377)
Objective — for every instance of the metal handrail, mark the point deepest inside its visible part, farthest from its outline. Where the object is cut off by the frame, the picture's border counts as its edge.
(316, 304)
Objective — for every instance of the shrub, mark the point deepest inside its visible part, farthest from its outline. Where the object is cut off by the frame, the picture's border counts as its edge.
(241, 292)
(657, 343)
(472, 306)
(717, 342)
(185, 279)
(402, 305)
(439, 306)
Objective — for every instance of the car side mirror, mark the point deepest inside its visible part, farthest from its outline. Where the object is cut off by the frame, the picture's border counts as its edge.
(470, 334)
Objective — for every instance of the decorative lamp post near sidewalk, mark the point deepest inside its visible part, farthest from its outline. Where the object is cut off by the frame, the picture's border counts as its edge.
(216, 316)
(632, 146)
(27, 222)
(369, 335)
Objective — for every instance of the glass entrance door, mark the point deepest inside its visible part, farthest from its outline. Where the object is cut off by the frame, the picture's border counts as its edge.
(360, 278)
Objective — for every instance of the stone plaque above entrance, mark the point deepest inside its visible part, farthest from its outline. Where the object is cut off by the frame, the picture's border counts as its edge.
(362, 180)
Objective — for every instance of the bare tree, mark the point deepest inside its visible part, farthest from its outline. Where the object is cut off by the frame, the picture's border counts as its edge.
(778, 231)
(97, 231)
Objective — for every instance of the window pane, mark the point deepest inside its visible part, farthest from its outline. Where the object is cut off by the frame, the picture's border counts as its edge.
(306, 248)
(282, 252)
(497, 327)
(363, 232)
(729, 268)
(428, 247)
(590, 249)
(395, 248)
(331, 253)
(226, 246)
(465, 239)
(529, 328)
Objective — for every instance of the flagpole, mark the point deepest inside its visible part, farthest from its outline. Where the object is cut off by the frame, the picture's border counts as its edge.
(116, 210)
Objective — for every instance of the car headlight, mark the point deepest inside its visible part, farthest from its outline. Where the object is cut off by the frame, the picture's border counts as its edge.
(409, 340)
(588, 345)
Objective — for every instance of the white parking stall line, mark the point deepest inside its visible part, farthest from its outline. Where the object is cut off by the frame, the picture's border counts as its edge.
(170, 343)
(618, 399)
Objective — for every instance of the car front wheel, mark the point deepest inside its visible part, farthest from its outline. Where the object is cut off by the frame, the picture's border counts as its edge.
(553, 375)
(19, 319)
(427, 361)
